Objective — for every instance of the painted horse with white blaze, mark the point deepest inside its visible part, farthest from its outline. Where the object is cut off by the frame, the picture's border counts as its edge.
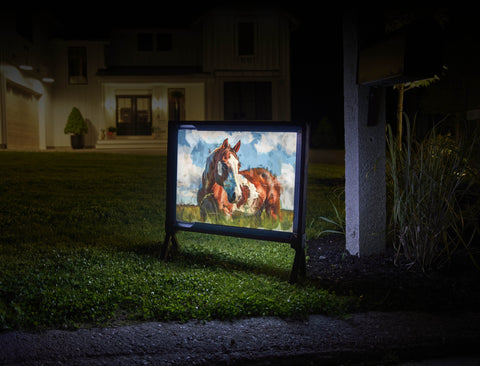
(227, 191)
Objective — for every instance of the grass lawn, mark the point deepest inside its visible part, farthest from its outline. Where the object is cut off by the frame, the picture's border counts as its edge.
(80, 236)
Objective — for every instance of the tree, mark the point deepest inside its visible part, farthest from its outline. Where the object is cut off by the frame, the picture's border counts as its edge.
(402, 88)
(396, 19)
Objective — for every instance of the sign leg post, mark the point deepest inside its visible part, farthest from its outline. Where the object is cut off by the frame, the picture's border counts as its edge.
(169, 237)
(299, 262)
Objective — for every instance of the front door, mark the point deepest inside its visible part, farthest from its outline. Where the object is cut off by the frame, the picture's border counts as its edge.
(134, 115)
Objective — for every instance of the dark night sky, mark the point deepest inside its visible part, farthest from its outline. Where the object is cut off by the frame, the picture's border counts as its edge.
(317, 66)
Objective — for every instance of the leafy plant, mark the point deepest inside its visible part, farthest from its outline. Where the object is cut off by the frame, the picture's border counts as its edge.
(325, 194)
(427, 183)
(323, 136)
(76, 123)
(338, 222)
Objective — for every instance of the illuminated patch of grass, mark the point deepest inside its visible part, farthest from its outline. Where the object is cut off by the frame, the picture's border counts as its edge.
(80, 236)
(88, 286)
(325, 198)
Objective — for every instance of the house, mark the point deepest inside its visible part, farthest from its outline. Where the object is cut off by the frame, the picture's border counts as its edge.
(231, 63)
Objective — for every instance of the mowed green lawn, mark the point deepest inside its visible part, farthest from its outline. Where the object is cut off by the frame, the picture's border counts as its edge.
(80, 237)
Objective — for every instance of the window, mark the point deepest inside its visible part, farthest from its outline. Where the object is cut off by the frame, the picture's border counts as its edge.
(247, 100)
(148, 42)
(164, 42)
(246, 38)
(145, 42)
(77, 65)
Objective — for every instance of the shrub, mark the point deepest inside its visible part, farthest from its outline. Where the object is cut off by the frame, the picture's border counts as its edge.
(323, 135)
(76, 123)
(428, 182)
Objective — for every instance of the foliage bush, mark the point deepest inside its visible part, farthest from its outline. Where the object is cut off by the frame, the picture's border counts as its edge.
(75, 123)
(432, 195)
(323, 135)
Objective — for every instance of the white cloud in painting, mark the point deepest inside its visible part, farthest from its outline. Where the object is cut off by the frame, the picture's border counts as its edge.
(188, 176)
(287, 180)
(272, 140)
(217, 137)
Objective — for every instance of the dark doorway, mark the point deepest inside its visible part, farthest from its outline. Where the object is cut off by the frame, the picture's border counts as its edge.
(134, 115)
(244, 100)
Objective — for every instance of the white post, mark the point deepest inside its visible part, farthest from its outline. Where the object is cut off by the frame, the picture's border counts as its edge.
(365, 196)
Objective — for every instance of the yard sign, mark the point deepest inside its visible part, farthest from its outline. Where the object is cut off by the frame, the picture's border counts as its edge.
(245, 179)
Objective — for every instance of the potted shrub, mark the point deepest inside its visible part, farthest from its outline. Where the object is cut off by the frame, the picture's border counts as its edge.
(77, 128)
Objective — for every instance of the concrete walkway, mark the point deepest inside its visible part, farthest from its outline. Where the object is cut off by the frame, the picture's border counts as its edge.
(372, 338)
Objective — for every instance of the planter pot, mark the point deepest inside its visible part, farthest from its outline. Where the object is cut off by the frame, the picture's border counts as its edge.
(77, 141)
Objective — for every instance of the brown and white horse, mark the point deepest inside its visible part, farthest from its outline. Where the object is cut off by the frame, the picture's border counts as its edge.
(228, 191)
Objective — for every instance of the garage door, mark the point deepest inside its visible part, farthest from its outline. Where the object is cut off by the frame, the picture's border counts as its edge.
(22, 118)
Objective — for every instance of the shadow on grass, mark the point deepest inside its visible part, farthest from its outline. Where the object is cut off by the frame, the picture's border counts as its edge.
(230, 264)
(214, 260)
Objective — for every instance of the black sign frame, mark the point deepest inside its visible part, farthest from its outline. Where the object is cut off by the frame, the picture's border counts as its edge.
(295, 235)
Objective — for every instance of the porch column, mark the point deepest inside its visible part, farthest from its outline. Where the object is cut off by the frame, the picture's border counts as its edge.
(364, 154)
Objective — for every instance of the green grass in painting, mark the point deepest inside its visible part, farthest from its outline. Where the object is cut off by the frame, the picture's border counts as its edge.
(80, 236)
(191, 213)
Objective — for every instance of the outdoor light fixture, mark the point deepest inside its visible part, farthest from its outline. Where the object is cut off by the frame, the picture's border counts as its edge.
(25, 67)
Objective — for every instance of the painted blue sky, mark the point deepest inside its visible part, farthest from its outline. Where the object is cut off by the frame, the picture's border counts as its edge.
(275, 151)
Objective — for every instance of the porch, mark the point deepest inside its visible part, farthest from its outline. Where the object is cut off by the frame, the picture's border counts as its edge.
(133, 143)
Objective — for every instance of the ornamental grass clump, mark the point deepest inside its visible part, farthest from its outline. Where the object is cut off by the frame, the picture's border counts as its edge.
(428, 184)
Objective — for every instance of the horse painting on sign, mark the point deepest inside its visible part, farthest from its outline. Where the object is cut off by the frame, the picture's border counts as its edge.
(213, 186)
(228, 191)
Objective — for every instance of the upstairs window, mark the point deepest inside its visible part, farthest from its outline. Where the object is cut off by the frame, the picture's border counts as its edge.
(164, 42)
(148, 42)
(77, 65)
(246, 38)
(145, 42)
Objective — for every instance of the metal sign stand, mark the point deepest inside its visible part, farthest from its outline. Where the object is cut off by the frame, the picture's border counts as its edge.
(299, 262)
(297, 241)
(170, 237)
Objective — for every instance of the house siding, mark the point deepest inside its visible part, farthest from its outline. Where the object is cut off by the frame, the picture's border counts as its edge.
(202, 58)
(22, 118)
(86, 97)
